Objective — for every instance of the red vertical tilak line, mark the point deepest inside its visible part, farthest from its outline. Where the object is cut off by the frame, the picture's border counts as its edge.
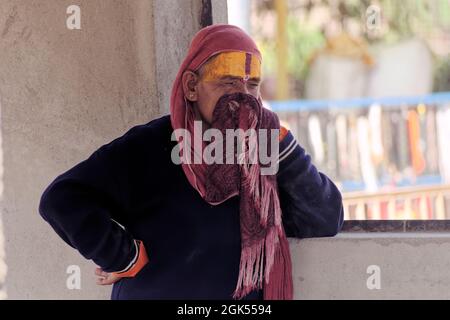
(248, 63)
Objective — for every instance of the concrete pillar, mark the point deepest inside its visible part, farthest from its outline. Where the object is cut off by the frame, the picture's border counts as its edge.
(173, 34)
(3, 268)
(63, 94)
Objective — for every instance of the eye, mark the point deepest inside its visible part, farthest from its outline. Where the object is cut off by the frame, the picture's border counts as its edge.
(229, 82)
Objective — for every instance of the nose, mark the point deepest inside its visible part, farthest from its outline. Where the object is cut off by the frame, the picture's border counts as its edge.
(242, 87)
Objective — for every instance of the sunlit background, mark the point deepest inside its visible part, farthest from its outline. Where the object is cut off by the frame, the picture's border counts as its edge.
(365, 88)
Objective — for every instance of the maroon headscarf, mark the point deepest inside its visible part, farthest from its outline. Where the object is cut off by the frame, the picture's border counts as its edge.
(264, 247)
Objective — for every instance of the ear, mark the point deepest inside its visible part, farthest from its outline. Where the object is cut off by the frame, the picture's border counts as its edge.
(189, 81)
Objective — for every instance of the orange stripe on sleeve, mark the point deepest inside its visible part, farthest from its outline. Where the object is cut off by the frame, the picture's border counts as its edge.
(141, 261)
(283, 133)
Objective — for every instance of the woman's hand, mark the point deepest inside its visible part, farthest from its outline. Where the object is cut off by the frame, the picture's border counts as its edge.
(105, 278)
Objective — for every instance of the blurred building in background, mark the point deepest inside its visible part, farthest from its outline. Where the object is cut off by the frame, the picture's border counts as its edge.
(365, 88)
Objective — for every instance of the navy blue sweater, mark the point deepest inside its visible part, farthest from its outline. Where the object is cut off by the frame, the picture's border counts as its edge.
(130, 189)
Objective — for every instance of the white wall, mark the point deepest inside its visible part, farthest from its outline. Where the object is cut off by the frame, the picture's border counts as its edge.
(411, 265)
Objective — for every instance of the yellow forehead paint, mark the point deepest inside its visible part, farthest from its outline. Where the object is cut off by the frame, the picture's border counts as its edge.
(236, 64)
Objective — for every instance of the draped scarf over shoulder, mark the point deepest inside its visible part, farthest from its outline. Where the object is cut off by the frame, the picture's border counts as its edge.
(265, 260)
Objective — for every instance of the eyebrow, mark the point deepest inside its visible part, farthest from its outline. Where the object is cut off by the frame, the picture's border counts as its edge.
(227, 77)
(255, 79)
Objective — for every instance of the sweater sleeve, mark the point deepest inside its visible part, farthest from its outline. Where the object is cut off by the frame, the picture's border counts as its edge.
(84, 206)
(311, 203)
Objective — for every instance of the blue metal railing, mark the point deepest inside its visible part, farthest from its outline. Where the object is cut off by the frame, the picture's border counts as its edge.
(439, 99)
(356, 103)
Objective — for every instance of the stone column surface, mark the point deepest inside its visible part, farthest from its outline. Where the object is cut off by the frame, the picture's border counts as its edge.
(64, 93)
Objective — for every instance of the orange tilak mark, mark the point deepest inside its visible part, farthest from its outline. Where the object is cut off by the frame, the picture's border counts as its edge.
(235, 64)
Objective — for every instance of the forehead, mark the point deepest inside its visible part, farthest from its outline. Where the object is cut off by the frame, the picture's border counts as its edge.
(234, 64)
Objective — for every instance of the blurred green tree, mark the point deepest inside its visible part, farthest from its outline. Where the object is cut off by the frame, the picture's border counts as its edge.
(427, 19)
